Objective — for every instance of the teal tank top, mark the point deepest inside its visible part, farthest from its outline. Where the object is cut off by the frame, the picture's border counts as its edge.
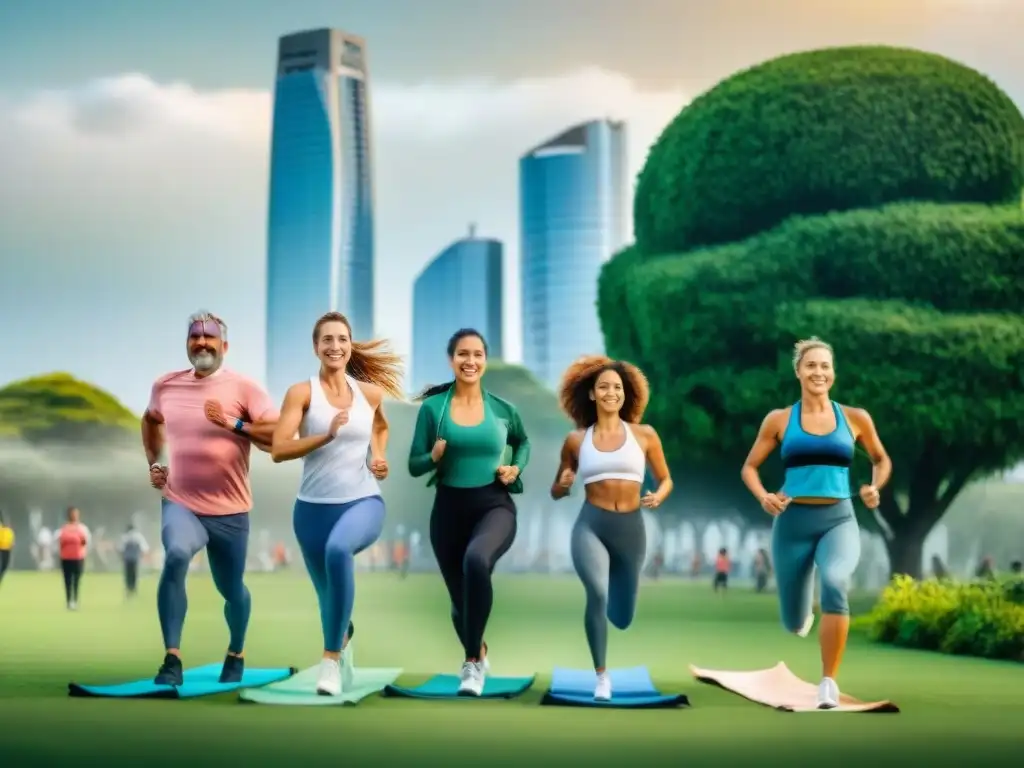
(817, 465)
(472, 455)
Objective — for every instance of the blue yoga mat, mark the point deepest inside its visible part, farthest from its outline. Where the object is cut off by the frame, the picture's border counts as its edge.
(200, 681)
(447, 687)
(630, 688)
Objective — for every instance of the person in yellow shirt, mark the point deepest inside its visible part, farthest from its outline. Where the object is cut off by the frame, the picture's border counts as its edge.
(6, 545)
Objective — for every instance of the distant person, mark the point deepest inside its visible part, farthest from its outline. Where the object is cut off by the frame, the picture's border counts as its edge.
(815, 523)
(6, 546)
(722, 568)
(333, 422)
(696, 563)
(460, 437)
(209, 416)
(132, 547)
(43, 550)
(762, 570)
(986, 568)
(609, 451)
(73, 541)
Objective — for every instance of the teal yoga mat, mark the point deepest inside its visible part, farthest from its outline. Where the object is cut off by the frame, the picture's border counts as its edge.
(300, 690)
(447, 687)
(199, 681)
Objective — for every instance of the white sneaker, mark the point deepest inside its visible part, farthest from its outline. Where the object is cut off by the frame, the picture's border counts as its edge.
(805, 630)
(348, 667)
(471, 682)
(329, 681)
(486, 664)
(828, 694)
(603, 689)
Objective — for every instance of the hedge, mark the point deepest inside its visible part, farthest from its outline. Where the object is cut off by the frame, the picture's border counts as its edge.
(969, 618)
(822, 131)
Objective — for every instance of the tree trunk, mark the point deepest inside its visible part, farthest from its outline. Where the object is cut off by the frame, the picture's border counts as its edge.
(906, 551)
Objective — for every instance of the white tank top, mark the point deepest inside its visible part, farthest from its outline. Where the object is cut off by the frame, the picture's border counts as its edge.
(337, 472)
(625, 463)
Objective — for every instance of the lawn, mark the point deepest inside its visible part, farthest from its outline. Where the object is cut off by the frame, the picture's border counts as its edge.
(955, 709)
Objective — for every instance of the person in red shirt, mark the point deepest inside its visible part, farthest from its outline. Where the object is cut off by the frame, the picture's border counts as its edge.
(722, 568)
(73, 540)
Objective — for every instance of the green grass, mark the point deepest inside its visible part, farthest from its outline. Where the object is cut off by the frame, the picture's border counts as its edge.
(956, 709)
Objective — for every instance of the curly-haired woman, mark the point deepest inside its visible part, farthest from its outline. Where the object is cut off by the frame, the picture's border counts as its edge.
(609, 451)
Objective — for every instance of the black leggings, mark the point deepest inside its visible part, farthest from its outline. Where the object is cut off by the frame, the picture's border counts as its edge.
(72, 576)
(131, 575)
(5, 562)
(470, 529)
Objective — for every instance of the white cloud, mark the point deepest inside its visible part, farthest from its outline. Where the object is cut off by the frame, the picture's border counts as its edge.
(150, 179)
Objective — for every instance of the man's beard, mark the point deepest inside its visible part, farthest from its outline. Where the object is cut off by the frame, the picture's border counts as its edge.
(205, 361)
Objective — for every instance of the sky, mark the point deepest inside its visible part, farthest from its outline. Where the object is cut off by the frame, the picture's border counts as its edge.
(134, 141)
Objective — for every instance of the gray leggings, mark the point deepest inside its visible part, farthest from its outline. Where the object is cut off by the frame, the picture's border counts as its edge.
(608, 551)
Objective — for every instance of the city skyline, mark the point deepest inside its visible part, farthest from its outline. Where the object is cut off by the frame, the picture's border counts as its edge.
(573, 211)
(461, 287)
(320, 214)
(136, 166)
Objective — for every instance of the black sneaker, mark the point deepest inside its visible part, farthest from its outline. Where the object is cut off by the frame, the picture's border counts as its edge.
(169, 672)
(234, 667)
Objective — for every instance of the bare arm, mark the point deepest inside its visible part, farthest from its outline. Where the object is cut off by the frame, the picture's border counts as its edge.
(153, 440)
(656, 460)
(766, 442)
(286, 444)
(260, 433)
(381, 428)
(568, 462)
(867, 436)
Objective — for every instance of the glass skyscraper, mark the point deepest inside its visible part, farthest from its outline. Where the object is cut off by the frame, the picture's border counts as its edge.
(572, 197)
(320, 239)
(460, 288)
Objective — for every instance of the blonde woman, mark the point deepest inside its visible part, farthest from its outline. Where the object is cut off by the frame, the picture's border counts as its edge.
(815, 524)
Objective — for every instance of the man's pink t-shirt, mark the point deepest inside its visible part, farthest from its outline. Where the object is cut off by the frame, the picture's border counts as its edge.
(209, 465)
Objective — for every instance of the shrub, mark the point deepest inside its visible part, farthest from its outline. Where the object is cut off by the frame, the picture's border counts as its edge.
(972, 618)
(827, 130)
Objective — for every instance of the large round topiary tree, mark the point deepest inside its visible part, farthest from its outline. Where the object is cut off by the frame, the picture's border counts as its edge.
(892, 228)
(822, 131)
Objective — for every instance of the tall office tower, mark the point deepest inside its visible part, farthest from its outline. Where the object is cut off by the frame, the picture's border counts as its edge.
(573, 197)
(320, 238)
(460, 288)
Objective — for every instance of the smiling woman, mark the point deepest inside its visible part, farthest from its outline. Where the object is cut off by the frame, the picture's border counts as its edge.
(814, 521)
(338, 417)
(462, 434)
(609, 450)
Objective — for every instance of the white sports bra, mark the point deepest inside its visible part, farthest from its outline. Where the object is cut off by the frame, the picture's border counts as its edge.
(624, 463)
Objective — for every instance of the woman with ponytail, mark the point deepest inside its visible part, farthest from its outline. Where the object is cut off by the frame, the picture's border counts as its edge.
(462, 435)
(333, 422)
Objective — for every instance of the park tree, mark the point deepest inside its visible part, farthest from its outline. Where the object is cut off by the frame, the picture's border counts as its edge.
(869, 196)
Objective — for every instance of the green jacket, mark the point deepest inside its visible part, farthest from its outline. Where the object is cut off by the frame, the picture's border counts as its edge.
(428, 431)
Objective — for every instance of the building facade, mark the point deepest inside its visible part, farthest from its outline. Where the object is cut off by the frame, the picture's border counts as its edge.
(462, 287)
(573, 218)
(320, 236)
